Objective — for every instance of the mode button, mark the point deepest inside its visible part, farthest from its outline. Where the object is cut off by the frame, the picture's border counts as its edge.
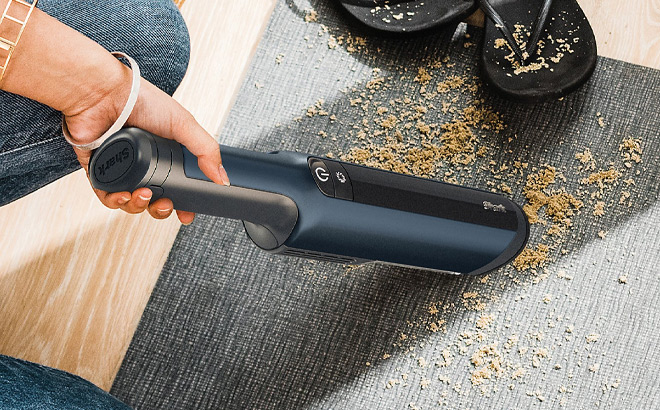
(343, 186)
(322, 176)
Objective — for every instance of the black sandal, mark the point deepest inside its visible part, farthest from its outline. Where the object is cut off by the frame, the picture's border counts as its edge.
(534, 50)
(408, 16)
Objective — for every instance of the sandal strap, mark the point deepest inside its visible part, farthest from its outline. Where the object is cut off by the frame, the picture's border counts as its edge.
(537, 30)
(539, 25)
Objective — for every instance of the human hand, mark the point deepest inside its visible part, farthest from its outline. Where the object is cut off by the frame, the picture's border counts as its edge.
(156, 112)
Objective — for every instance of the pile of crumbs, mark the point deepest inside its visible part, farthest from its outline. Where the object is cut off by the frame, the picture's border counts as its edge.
(442, 127)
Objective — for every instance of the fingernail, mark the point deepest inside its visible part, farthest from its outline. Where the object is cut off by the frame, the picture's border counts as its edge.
(223, 176)
(123, 200)
(144, 198)
(164, 211)
(186, 223)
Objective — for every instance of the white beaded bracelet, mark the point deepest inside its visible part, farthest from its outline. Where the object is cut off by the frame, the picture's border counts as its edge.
(123, 117)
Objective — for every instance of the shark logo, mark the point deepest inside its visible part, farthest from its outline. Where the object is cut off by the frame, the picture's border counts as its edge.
(492, 207)
(118, 158)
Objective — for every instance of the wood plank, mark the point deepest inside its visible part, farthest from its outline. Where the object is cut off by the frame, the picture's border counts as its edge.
(74, 276)
(626, 30)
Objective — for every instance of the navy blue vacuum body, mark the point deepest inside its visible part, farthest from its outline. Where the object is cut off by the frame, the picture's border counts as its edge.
(303, 205)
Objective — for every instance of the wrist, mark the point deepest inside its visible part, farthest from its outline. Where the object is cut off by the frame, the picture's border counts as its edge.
(107, 84)
(106, 106)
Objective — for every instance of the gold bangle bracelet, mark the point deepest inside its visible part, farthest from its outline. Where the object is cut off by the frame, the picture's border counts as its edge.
(13, 21)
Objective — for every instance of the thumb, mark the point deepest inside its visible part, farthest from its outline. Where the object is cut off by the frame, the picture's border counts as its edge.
(176, 123)
(210, 162)
(200, 143)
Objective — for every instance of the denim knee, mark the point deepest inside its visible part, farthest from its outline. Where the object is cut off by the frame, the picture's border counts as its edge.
(159, 40)
(25, 385)
(151, 31)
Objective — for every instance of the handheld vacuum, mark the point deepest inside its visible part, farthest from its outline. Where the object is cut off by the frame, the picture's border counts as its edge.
(313, 207)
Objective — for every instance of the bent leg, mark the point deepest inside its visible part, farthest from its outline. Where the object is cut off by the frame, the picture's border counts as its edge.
(33, 152)
(26, 385)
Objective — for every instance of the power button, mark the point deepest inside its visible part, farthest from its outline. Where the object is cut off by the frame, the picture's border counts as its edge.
(322, 176)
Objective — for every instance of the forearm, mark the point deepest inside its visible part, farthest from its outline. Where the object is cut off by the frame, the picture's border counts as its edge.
(60, 67)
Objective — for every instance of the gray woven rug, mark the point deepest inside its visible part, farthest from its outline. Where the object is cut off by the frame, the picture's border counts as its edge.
(575, 326)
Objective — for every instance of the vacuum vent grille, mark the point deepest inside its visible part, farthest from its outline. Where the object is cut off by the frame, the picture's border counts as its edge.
(319, 256)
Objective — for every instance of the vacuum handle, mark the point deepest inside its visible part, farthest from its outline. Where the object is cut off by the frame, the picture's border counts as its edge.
(133, 158)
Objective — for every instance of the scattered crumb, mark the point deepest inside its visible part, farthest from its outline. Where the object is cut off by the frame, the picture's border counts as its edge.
(484, 321)
(450, 83)
(532, 258)
(317, 109)
(599, 208)
(488, 363)
(423, 76)
(433, 309)
(424, 383)
(511, 341)
(558, 205)
(333, 43)
(601, 178)
(631, 151)
(518, 373)
(586, 159)
(311, 16)
(446, 357)
(562, 274)
(540, 353)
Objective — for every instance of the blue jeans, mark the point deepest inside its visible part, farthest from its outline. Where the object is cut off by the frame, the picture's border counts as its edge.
(25, 385)
(33, 153)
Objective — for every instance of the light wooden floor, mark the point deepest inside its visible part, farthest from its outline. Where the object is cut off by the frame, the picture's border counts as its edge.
(75, 277)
